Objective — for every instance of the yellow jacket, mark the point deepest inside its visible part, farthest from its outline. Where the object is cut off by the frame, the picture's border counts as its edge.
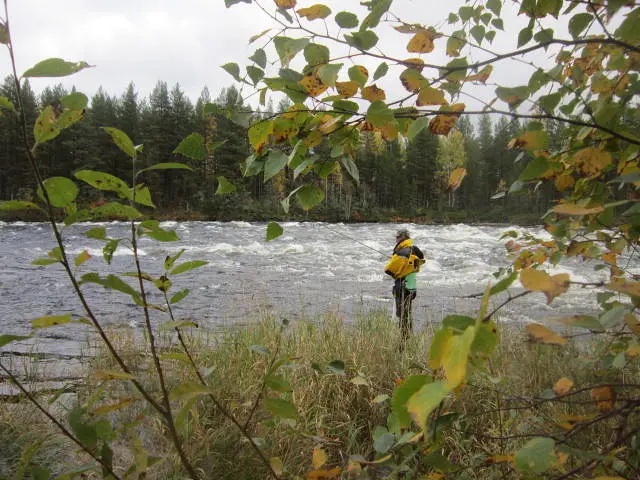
(406, 259)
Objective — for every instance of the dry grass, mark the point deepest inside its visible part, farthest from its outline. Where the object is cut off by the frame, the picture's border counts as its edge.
(336, 413)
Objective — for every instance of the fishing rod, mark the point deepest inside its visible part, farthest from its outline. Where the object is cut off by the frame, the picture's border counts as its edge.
(354, 240)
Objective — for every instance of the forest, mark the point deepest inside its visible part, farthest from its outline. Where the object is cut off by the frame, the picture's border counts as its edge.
(401, 179)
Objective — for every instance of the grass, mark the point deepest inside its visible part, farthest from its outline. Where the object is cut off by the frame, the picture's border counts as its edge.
(500, 405)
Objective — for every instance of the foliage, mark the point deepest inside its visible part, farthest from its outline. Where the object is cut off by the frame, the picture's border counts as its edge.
(589, 92)
(593, 167)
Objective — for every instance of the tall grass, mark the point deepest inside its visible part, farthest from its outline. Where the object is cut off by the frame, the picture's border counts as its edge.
(500, 404)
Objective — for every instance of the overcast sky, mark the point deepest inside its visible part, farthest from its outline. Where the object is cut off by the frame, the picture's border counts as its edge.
(186, 41)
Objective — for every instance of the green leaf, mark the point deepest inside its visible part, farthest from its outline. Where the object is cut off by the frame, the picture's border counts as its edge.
(179, 296)
(259, 133)
(60, 190)
(536, 167)
(379, 114)
(357, 75)
(403, 393)
(4, 34)
(336, 366)
(255, 74)
(309, 196)
(186, 266)
(329, 73)
(277, 383)
(544, 36)
(152, 229)
(224, 186)
(186, 391)
(628, 30)
(55, 67)
(7, 104)
(458, 322)
(425, 401)
(142, 195)
(166, 166)
(17, 205)
(363, 40)
(179, 325)
(192, 147)
(114, 283)
(351, 168)
(455, 358)
(288, 48)
(512, 96)
(46, 127)
(83, 431)
(382, 443)
(114, 210)
(259, 57)
(498, 23)
(550, 102)
(378, 9)
(232, 69)
(578, 23)
(347, 20)
(495, 6)
(537, 456)
(7, 339)
(525, 35)
(416, 127)
(503, 284)
(104, 181)
(109, 249)
(122, 140)
(486, 339)
(316, 54)
(276, 161)
(274, 230)
(281, 408)
(455, 70)
(582, 321)
(50, 321)
(43, 262)
(477, 32)
(75, 101)
(381, 71)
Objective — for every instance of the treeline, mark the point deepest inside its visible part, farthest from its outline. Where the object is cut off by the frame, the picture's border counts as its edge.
(396, 179)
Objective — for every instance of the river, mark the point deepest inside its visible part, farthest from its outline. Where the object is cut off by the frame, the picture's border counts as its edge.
(311, 270)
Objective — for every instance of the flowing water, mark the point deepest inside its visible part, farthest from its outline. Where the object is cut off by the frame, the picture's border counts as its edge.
(311, 270)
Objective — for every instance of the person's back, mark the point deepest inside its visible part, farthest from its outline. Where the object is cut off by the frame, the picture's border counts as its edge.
(403, 267)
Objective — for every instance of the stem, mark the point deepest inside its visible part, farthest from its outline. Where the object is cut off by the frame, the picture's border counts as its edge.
(59, 425)
(217, 403)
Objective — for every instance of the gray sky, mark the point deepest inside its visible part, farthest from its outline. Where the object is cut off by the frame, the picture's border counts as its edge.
(186, 41)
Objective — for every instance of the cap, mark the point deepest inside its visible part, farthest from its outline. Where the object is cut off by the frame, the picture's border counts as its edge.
(403, 233)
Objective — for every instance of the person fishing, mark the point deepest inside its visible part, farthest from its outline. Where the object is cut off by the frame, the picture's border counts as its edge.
(405, 262)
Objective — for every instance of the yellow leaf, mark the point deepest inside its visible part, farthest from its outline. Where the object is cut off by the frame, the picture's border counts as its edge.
(390, 131)
(456, 177)
(540, 333)
(592, 161)
(319, 458)
(536, 280)
(313, 139)
(312, 84)
(564, 181)
(347, 89)
(284, 129)
(415, 63)
(324, 474)
(106, 375)
(482, 76)
(422, 42)
(373, 93)
(315, 11)
(610, 257)
(633, 351)
(604, 397)
(430, 96)
(569, 421)
(329, 124)
(563, 386)
(632, 322)
(442, 123)
(500, 459)
(412, 80)
(530, 141)
(285, 3)
(456, 358)
(623, 286)
(112, 407)
(375, 462)
(276, 465)
(573, 209)
(81, 258)
(608, 478)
